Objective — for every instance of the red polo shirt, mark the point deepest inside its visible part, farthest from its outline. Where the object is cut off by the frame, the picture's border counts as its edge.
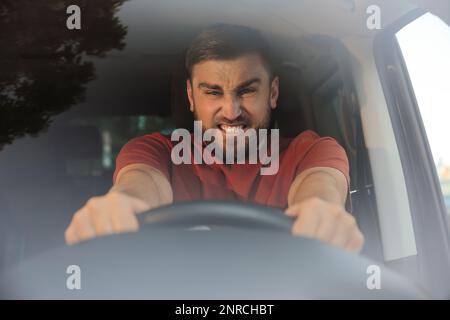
(237, 181)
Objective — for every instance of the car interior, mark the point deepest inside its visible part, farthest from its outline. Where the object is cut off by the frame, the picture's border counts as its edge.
(137, 86)
(57, 171)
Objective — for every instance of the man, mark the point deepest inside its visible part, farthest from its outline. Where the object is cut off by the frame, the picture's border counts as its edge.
(232, 85)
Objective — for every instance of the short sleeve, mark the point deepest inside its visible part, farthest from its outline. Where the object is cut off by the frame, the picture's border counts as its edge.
(311, 151)
(322, 152)
(152, 149)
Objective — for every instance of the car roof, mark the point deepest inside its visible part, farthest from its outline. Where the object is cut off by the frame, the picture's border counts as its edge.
(159, 31)
(336, 18)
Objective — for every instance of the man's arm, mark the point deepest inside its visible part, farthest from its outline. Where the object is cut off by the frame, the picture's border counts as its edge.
(137, 188)
(328, 184)
(316, 199)
(144, 182)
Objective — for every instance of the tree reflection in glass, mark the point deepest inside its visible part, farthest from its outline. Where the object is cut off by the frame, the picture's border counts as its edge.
(43, 67)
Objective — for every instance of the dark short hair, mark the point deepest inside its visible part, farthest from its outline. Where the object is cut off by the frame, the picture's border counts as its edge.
(226, 42)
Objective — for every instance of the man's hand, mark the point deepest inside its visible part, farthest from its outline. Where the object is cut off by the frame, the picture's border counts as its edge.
(329, 222)
(114, 212)
(138, 188)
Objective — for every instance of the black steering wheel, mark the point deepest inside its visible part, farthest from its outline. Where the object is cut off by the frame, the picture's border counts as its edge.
(172, 263)
(217, 213)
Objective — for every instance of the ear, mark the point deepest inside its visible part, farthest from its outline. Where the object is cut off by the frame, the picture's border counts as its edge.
(190, 95)
(274, 92)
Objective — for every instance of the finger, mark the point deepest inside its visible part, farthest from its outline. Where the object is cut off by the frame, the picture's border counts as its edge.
(292, 211)
(101, 219)
(139, 206)
(306, 224)
(124, 220)
(344, 230)
(70, 236)
(123, 217)
(327, 227)
(83, 228)
(356, 242)
(99, 213)
(313, 203)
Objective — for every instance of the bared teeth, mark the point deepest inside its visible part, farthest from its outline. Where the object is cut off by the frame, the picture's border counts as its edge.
(232, 129)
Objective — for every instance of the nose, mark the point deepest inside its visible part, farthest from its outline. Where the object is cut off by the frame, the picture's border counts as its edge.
(231, 108)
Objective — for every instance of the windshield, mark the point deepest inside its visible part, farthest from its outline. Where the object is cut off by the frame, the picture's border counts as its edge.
(123, 123)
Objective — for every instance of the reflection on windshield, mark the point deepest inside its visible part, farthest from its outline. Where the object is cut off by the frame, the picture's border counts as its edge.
(43, 64)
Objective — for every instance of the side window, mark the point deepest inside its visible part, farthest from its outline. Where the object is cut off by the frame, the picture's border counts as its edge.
(425, 45)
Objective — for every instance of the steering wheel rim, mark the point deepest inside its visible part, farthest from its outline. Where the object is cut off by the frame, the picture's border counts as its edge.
(229, 263)
(222, 213)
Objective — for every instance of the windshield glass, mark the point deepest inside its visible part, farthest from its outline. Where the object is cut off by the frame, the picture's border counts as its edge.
(129, 120)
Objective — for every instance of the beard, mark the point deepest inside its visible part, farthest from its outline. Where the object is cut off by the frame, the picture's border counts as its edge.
(246, 122)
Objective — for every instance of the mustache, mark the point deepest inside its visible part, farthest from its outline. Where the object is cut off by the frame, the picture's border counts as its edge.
(241, 120)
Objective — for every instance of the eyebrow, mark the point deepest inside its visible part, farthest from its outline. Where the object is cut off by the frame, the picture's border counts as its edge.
(204, 85)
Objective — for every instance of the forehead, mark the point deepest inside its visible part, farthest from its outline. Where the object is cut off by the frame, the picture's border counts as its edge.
(230, 72)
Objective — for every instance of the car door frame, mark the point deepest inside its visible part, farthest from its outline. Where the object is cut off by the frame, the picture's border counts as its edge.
(429, 215)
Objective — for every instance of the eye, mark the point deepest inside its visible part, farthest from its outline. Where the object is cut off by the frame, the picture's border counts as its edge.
(213, 93)
(246, 91)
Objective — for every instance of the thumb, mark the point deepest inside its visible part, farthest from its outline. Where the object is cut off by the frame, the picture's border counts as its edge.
(139, 205)
(292, 211)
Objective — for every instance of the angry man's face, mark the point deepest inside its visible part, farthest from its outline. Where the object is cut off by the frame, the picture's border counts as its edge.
(232, 94)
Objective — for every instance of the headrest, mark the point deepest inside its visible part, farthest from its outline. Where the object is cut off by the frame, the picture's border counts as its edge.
(181, 115)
